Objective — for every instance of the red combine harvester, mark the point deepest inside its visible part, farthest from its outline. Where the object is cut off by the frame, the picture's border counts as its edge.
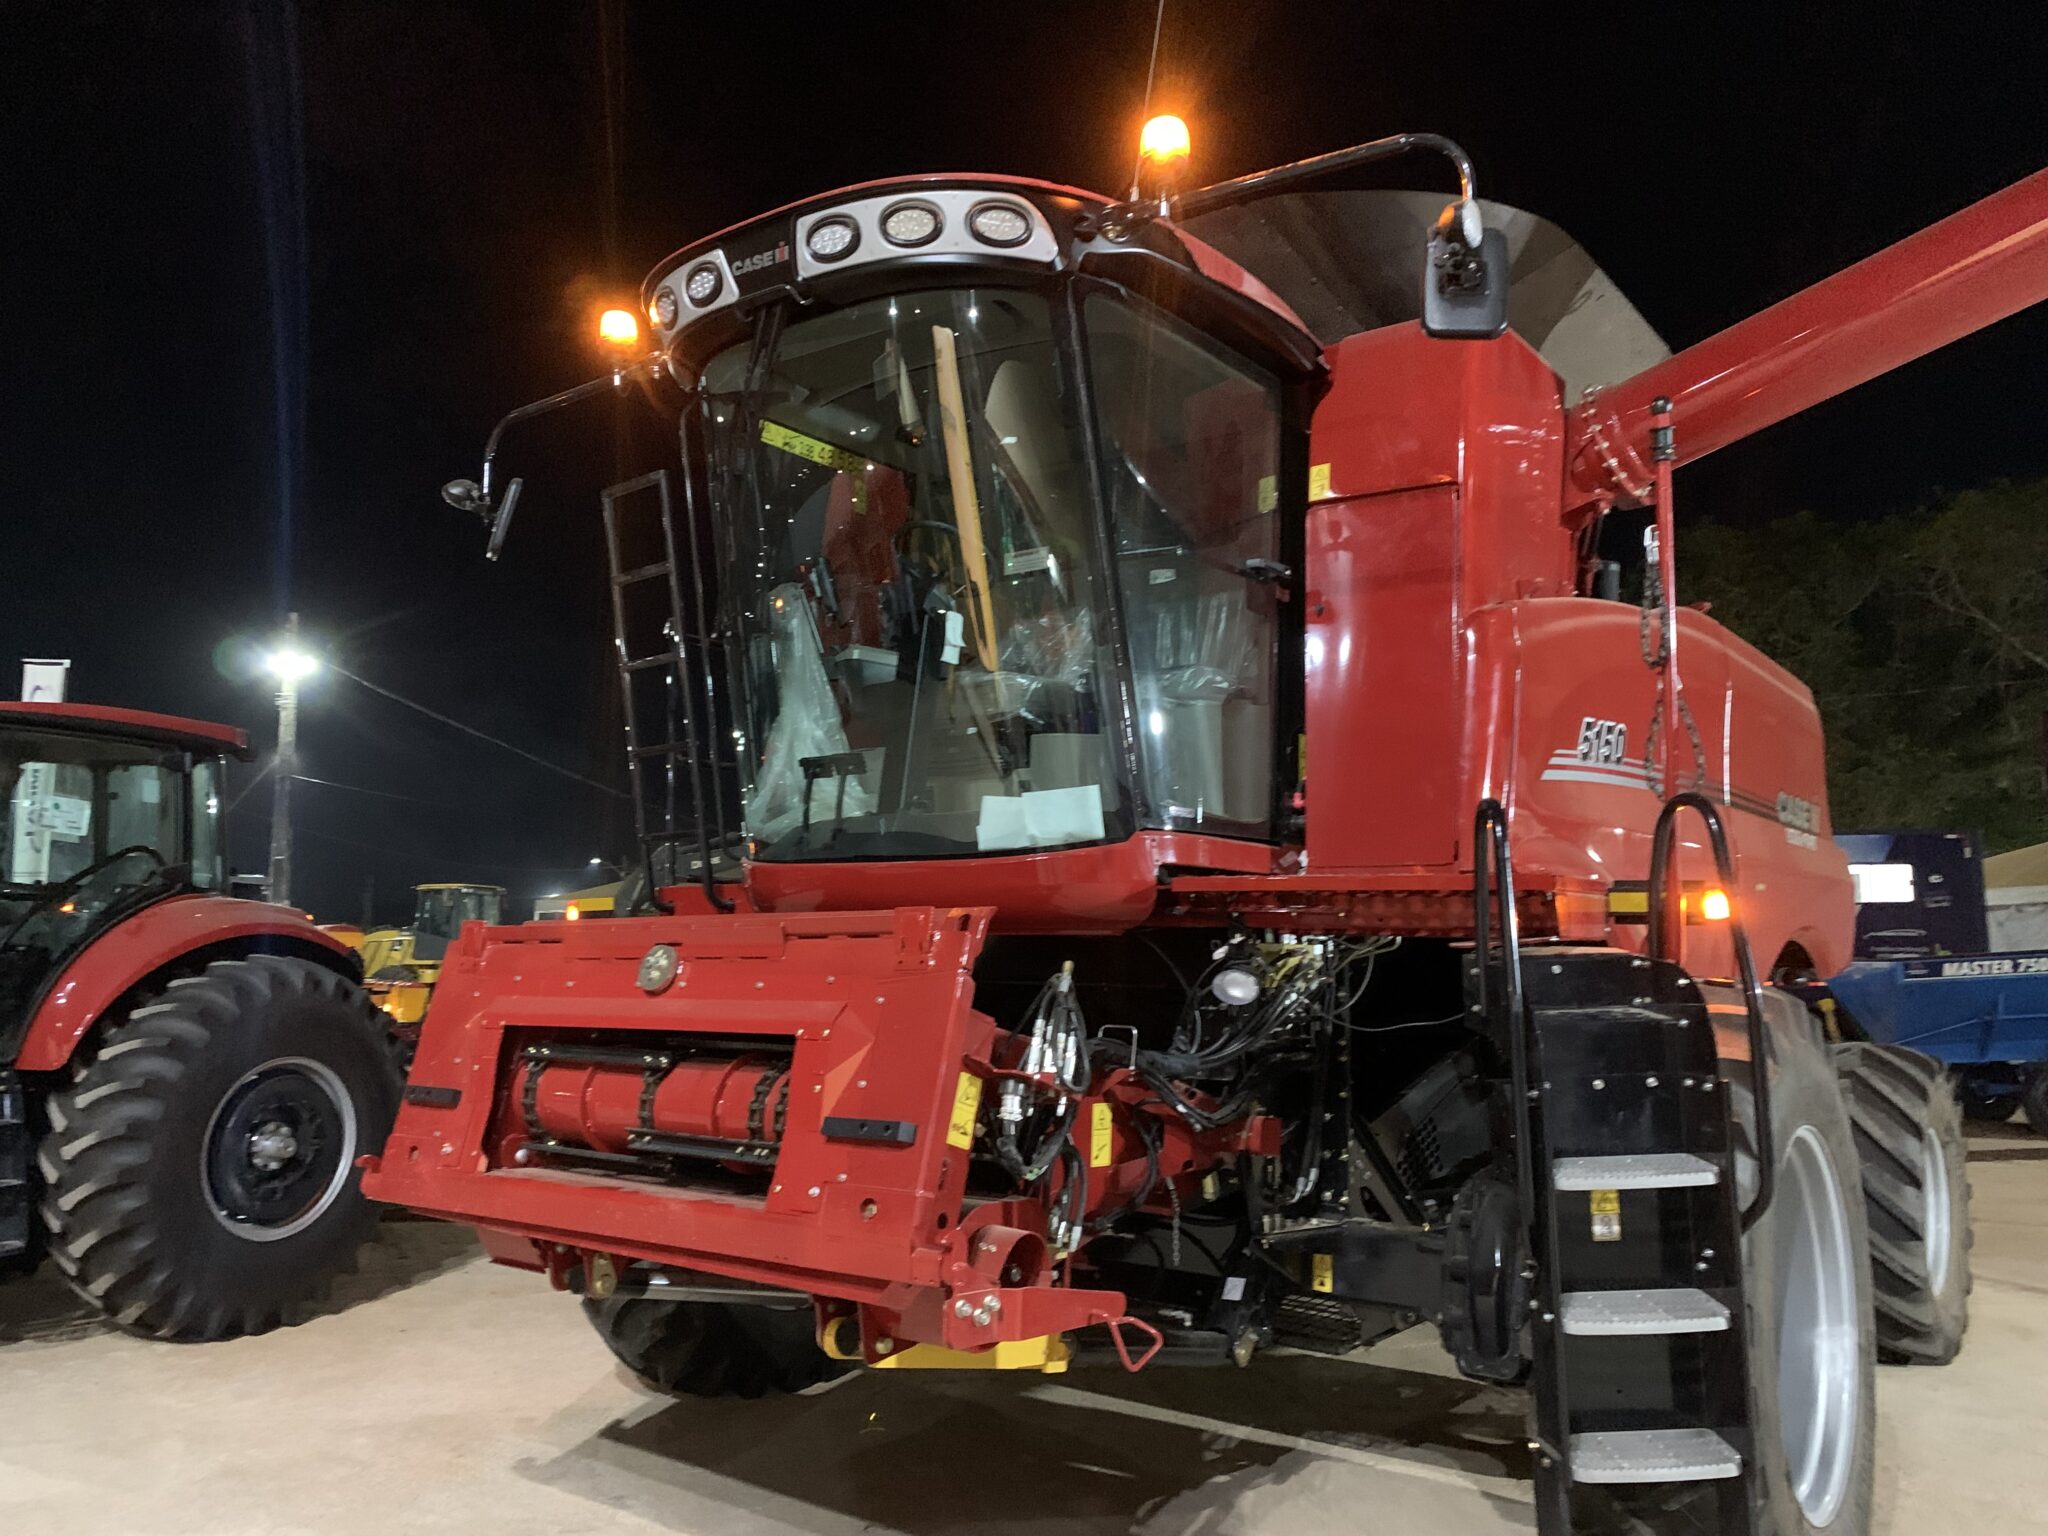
(1086, 705)
(185, 1078)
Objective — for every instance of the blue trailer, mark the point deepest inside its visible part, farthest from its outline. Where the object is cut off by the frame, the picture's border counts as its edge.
(1984, 1016)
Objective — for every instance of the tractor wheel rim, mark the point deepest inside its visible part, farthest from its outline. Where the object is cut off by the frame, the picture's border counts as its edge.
(278, 1149)
(1938, 1217)
(1819, 1332)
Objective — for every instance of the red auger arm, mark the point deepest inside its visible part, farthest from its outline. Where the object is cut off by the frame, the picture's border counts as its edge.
(1975, 267)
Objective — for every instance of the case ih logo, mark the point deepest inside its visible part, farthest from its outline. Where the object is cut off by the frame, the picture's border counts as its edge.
(761, 259)
(1801, 819)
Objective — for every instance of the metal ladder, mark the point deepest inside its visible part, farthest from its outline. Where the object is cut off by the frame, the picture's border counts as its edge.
(663, 656)
(1625, 1158)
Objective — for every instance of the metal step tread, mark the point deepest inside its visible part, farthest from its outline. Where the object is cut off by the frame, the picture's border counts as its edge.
(1653, 1456)
(1618, 1013)
(643, 572)
(1613, 1314)
(1634, 1170)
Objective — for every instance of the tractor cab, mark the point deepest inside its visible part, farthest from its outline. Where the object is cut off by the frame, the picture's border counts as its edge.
(414, 953)
(102, 812)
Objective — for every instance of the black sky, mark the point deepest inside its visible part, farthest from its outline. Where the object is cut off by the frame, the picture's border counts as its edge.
(460, 183)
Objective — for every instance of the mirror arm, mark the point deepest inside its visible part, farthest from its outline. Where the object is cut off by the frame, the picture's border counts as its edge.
(1281, 177)
(616, 379)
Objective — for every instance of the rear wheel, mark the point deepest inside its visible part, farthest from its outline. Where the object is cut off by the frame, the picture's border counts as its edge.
(1806, 1291)
(709, 1349)
(1916, 1193)
(199, 1172)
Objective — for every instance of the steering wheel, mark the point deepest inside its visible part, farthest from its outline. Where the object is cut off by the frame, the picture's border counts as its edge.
(68, 892)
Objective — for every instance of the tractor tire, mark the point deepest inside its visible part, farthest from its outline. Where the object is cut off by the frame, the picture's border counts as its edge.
(710, 1349)
(1807, 1296)
(1916, 1195)
(199, 1172)
(2034, 1100)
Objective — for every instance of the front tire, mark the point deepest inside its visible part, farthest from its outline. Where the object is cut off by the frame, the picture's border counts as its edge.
(1916, 1192)
(199, 1171)
(709, 1349)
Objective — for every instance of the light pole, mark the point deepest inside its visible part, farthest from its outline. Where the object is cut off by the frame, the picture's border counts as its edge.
(597, 863)
(290, 666)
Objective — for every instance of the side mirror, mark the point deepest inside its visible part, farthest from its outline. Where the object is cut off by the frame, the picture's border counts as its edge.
(502, 523)
(465, 496)
(1465, 278)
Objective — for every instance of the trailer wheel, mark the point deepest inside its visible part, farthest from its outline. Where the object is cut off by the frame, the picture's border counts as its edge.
(199, 1170)
(2035, 1102)
(709, 1349)
(1986, 1108)
(1916, 1194)
(1806, 1289)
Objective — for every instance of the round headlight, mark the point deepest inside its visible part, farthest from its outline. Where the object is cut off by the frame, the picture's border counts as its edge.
(657, 969)
(833, 238)
(1000, 224)
(703, 283)
(911, 223)
(663, 310)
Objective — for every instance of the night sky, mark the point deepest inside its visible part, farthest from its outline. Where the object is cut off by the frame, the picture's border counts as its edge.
(427, 203)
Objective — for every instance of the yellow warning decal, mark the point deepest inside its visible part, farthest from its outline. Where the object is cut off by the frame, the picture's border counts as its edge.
(1100, 1138)
(1318, 487)
(1322, 1272)
(1605, 1205)
(966, 1105)
(776, 435)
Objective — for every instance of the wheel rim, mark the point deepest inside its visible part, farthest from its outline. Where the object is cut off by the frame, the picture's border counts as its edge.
(278, 1149)
(1934, 1184)
(1819, 1367)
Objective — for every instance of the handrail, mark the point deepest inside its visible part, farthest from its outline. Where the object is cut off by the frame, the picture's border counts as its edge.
(1666, 919)
(1493, 864)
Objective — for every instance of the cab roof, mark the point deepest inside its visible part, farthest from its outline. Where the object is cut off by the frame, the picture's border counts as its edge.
(202, 736)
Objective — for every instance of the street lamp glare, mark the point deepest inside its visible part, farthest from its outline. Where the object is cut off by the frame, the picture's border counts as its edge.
(289, 665)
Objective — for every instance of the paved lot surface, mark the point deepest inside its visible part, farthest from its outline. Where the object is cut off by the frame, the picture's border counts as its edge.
(451, 1396)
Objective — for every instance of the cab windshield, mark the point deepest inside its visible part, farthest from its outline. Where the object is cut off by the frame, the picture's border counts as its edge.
(69, 802)
(917, 616)
(914, 594)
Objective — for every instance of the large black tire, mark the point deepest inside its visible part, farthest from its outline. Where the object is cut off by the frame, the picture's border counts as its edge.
(199, 1169)
(709, 1349)
(1815, 1189)
(1986, 1108)
(2035, 1102)
(1916, 1192)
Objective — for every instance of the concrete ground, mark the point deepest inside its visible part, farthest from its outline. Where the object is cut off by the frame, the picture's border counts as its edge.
(450, 1396)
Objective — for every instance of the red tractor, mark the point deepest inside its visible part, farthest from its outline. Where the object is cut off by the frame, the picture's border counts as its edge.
(1084, 703)
(186, 1079)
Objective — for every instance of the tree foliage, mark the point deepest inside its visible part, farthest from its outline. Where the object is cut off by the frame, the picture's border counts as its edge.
(1924, 637)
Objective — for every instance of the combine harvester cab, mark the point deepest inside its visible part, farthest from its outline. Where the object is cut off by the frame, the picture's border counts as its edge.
(1022, 996)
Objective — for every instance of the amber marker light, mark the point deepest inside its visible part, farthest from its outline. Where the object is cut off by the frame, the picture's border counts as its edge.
(1714, 906)
(618, 328)
(1163, 140)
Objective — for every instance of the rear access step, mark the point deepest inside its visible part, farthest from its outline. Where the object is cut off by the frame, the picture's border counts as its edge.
(1641, 1371)
(1653, 1456)
(1626, 1181)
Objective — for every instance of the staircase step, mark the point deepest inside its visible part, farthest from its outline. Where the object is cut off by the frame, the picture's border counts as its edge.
(1610, 1314)
(1638, 1170)
(1653, 1456)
